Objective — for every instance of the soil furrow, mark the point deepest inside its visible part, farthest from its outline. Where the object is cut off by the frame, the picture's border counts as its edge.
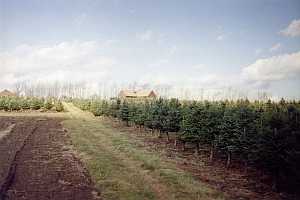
(42, 166)
(11, 174)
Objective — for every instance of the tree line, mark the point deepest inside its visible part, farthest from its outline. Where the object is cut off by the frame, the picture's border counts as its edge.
(261, 134)
(30, 103)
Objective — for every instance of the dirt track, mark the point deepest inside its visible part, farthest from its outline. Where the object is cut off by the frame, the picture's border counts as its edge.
(37, 163)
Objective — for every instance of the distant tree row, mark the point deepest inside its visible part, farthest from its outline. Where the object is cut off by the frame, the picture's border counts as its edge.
(32, 103)
(261, 134)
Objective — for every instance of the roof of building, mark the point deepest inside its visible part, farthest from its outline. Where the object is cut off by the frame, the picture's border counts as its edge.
(7, 93)
(140, 93)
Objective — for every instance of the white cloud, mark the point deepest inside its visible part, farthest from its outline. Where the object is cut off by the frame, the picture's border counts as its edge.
(190, 79)
(275, 47)
(198, 67)
(258, 51)
(66, 61)
(220, 37)
(146, 35)
(274, 68)
(173, 49)
(80, 19)
(293, 30)
(109, 43)
(159, 63)
(207, 80)
(195, 86)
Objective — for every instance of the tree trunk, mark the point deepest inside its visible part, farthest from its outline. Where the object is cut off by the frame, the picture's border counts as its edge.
(159, 134)
(168, 137)
(275, 131)
(245, 166)
(175, 142)
(228, 160)
(211, 156)
(197, 148)
(275, 181)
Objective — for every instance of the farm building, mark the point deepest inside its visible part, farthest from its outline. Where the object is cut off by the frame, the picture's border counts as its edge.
(141, 94)
(7, 93)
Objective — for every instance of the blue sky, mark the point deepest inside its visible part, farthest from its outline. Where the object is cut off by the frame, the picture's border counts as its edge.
(249, 45)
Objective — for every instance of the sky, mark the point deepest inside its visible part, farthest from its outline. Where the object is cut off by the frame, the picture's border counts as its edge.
(247, 45)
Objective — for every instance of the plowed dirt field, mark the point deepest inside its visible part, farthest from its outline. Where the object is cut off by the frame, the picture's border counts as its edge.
(37, 161)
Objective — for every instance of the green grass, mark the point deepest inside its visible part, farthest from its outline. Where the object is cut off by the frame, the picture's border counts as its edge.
(115, 178)
(122, 169)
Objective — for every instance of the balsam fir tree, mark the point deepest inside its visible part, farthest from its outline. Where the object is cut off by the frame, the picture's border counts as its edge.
(124, 113)
(173, 116)
(230, 133)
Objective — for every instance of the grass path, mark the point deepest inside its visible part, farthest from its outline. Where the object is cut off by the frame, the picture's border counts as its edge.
(122, 169)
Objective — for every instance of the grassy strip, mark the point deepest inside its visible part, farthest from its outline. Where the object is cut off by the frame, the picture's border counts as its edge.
(112, 175)
(123, 170)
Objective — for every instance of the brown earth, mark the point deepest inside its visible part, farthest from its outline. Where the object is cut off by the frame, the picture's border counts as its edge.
(37, 162)
(236, 182)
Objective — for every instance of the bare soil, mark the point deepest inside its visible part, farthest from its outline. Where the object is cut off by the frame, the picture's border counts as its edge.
(236, 182)
(37, 162)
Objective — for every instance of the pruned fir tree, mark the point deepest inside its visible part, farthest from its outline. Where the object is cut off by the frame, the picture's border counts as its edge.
(124, 112)
(140, 115)
(230, 132)
(173, 116)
